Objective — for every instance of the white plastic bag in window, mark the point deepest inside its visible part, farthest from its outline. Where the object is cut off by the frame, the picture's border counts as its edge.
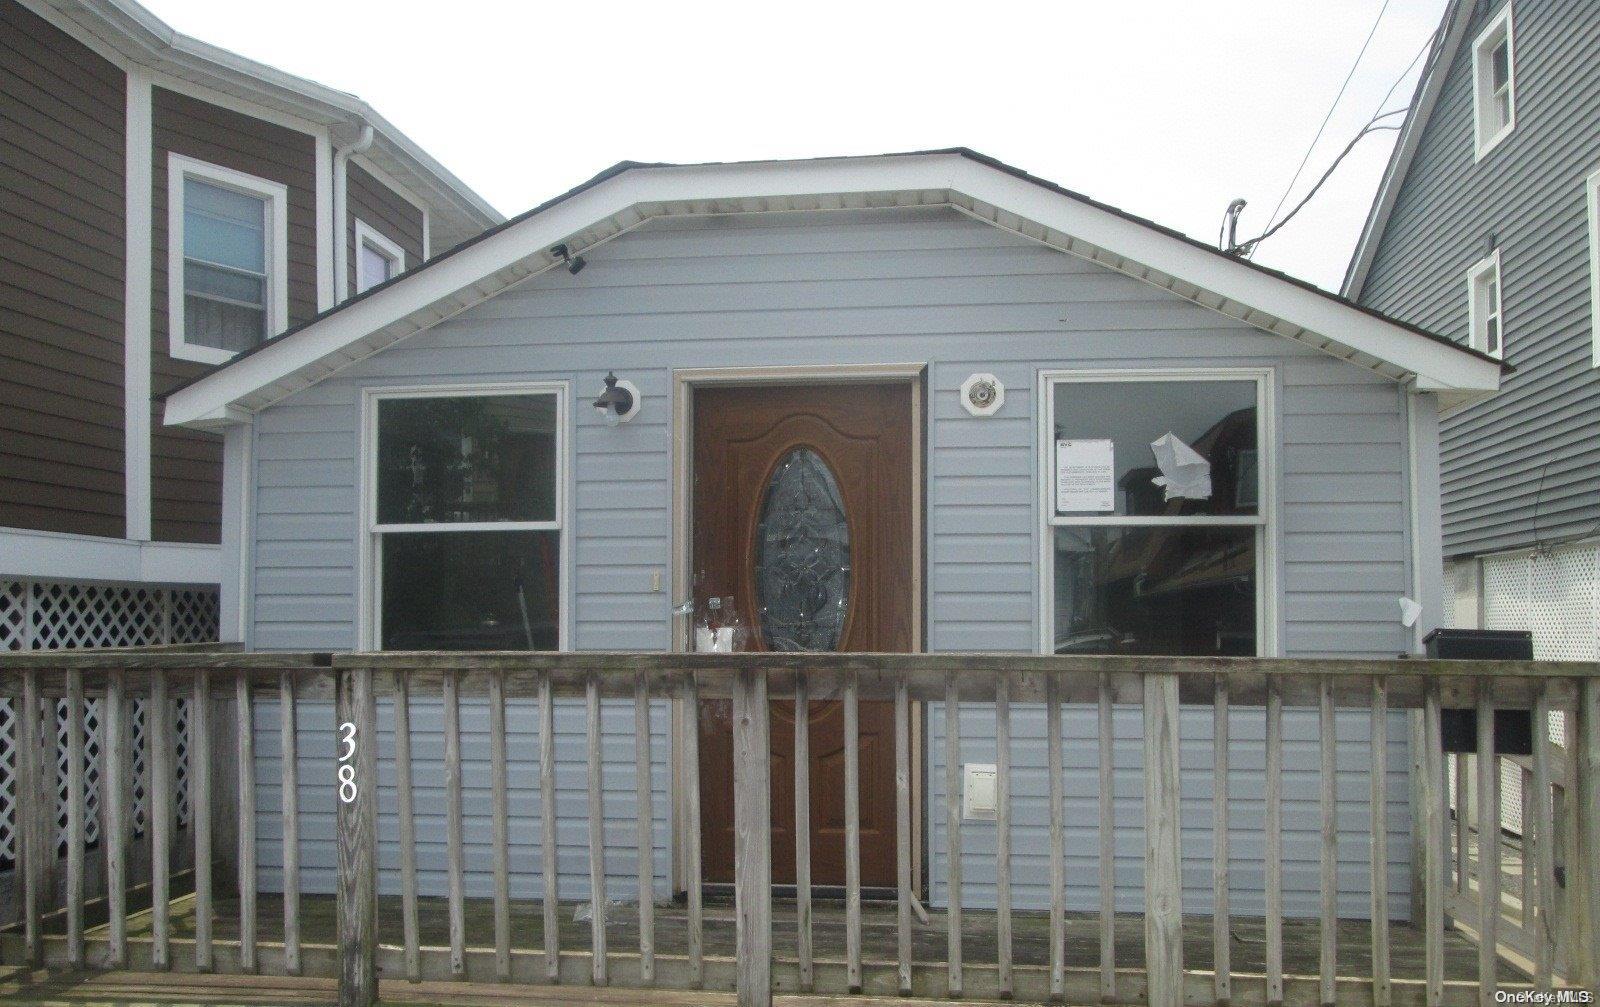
(1184, 472)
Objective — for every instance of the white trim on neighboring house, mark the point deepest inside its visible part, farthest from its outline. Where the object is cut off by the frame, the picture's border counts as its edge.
(1591, 187)
(1482, 308)
(327, 227)
(276, 194)
(366, 234)
(127, 34)
(45, 555)
(136, 297)
(1266, 520)
(369, 630)
(389, 182)
(1499, 29)
(628, 197)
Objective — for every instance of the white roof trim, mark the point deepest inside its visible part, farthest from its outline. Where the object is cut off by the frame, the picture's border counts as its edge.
(142, 38)
(1453, 30)
(600, 212)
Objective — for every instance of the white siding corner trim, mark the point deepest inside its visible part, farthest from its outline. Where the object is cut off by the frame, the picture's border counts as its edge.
(136, 308)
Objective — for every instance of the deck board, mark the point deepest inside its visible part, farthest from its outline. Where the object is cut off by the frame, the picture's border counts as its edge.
(1030, 934)
(879, 930)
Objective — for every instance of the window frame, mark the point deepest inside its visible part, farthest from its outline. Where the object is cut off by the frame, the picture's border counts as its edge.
(366, 234)
(1591, 189)
(276, 231)
(369, 629)
(1265, 520)
(1500, 28)
(1477, 317)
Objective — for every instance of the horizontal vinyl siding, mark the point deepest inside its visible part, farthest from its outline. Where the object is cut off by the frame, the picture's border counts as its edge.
(186, 465)
(850, 287)
(1302, 837)
(383, 210)
(61, 281)
(1524, 465)
(318, 814)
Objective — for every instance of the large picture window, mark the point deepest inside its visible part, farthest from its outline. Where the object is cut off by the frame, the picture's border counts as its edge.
(465, 519)
(1156, 503)
(227, 288)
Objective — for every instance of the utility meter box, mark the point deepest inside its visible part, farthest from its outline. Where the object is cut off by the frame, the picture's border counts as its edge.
(979, 792)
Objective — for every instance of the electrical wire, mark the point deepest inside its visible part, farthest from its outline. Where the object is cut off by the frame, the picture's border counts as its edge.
(1320, 129)
(1427, 44)
(1247, 248)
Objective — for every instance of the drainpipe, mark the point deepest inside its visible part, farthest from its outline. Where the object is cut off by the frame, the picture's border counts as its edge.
(341, 216)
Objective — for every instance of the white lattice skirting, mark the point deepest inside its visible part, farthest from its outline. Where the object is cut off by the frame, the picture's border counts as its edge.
(1553, 593)
(44, 615)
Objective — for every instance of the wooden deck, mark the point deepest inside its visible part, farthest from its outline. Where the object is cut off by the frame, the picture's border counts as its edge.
(1030, 945)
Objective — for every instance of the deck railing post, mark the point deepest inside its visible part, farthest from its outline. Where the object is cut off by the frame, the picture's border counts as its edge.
(1584, 870)
(356, 779)
(752, 816)
(1163, 884)
(33, 815)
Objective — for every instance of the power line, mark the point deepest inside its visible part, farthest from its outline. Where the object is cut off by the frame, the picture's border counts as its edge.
(1248, 247)
(1325, 119)
(1427, 44)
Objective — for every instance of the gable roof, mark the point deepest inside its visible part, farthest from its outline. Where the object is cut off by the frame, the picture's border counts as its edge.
(629, 194)
(1446, 43)
(138, 37)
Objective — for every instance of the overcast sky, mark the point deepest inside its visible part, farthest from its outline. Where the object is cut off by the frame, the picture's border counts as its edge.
(1166, 108)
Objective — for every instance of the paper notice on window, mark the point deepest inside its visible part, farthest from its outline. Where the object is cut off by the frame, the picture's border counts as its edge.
(1086, 477)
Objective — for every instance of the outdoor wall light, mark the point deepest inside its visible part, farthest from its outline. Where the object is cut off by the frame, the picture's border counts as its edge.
(573, 263)
(619, 403)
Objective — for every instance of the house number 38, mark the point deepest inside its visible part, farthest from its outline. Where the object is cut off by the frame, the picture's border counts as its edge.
(347, 766)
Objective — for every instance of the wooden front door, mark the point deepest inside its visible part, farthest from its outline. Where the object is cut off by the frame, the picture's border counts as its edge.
(803, 505)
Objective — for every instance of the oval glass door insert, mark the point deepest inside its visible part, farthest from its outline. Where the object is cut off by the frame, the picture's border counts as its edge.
(802, 556)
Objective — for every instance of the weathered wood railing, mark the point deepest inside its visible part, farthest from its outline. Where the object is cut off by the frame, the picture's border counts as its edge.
(1160, 687)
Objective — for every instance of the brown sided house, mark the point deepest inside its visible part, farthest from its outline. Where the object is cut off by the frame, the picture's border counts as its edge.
(167, 205)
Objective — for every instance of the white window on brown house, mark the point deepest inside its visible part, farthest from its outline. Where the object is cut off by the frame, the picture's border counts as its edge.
(377, 258)
(226, 260)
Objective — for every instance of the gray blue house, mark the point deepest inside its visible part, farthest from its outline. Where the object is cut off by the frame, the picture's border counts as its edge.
(917, 402)
(1486, 229)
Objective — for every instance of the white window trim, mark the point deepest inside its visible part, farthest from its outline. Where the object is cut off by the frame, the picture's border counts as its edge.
(1476, 338)
(1592, 197)
(369, 625)
(276, 194)
(1500, 25)
(366, 234)
(1266, 520)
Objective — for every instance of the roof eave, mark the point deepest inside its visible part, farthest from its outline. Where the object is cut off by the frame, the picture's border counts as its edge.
(622, 199)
